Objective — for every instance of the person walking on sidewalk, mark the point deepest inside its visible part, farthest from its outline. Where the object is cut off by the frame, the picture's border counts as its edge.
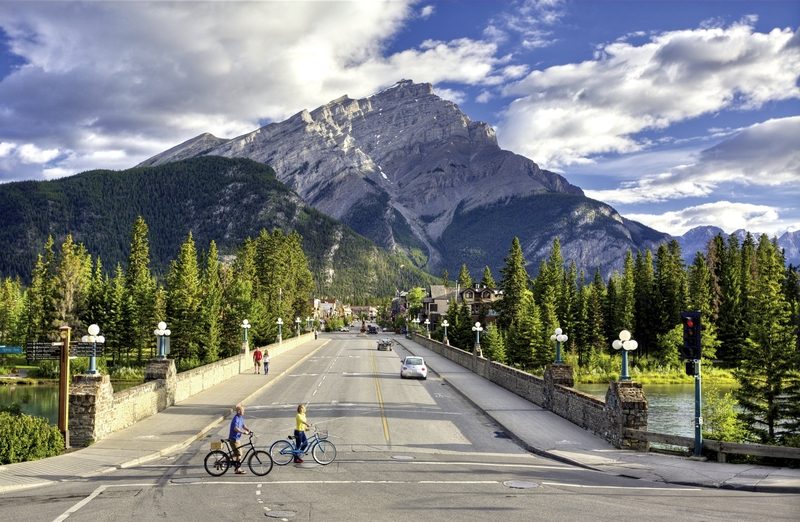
(301, 425)
(266, 361)
(257, 360)
(237, 428)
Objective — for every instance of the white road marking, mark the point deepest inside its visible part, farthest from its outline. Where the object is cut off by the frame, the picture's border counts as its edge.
(617, 487)
(65, 515)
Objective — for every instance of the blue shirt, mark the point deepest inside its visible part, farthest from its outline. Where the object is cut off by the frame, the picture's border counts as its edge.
(236, 422)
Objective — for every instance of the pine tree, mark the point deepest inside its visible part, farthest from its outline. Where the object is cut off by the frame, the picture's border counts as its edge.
(71, 283)
(700, 297)
(464, 277)
(768, 364)
(524, 337)
(183, 305)
(730, 325)
(514, 284)
(645, 302)
(211, 307)
(487, 280)
(140, 287)
(493, 344)
(40, 309)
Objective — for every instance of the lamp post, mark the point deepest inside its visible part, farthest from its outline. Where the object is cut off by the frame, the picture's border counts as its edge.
(297, 325)
(308, 323)
(161, 332)
(416, 323)
(626, 344)
(94, 337)
(280, 325)
(478, 329)
(559, 337)
(245, 326)
(445, 324)
(428, 327)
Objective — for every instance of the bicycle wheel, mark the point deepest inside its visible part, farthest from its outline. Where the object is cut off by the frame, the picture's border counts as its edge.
(260, 463)
(324, 452)
(282, 452)
(216, 463)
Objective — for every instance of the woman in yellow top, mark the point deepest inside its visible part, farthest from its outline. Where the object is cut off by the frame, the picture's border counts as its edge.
(301, 425)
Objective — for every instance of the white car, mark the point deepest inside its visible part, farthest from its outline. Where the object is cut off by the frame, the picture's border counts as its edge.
(414, 366)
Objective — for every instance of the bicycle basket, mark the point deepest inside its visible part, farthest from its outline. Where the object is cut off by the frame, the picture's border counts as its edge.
(322, 434)
(216, 445)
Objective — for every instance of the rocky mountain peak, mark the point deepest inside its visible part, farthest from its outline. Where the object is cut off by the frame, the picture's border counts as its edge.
(400, 167)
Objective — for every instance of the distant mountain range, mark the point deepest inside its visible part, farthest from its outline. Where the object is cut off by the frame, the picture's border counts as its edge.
(413, 173)
(697, 239)
(220, 199)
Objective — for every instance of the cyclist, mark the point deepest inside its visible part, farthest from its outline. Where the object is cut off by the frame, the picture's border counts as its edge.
(301, 425)
(237, 428)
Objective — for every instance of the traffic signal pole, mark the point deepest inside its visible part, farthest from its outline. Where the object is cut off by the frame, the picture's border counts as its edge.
(698, 410)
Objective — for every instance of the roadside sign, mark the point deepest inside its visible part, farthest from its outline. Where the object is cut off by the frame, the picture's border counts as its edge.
(45, 351)
(5, 350)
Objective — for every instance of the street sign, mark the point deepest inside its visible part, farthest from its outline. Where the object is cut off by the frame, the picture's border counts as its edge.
(43, 351)
(52, 351)
(5, 350)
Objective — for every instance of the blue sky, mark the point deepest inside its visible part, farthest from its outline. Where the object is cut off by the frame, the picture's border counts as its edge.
(678, 114)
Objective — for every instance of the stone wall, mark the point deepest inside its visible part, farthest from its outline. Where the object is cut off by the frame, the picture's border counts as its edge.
(95, 411)
(625, 405)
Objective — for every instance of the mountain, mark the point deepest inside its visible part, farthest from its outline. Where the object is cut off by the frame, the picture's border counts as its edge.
(220, 199)
(696, 240)
(413, 173)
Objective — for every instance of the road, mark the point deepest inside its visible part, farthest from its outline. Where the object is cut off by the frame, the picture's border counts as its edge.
(407, 450)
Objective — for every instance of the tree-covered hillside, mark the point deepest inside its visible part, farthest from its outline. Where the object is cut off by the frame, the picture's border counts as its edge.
(214, 198)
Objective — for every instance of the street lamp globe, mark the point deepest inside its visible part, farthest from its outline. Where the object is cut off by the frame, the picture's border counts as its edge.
(162, 332)
(559, 337)
(427, 324)
(626, 344)
(478, 329)
(445, 324)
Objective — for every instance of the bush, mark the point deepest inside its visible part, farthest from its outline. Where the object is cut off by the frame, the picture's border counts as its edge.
(24, 438)
(126, 373)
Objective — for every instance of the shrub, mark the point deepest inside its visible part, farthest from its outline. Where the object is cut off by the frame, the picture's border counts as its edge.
(126, 373)
(24, 438)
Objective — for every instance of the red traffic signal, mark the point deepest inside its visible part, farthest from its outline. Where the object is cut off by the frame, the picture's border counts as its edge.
(692, 347)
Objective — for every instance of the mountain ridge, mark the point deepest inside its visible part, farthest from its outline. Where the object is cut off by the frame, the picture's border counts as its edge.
(398, 165)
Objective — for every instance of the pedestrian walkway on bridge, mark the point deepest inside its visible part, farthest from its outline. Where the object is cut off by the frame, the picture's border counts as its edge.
(540, 431)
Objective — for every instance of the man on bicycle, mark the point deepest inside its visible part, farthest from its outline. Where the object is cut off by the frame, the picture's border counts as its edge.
(237, 428)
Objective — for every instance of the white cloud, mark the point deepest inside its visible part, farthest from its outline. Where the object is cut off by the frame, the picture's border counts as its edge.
(427, 11)
(30, 153)
(569, 113)
(453, 95)
(140, 78)
(530, 20)
(763, 155)
(726, 215)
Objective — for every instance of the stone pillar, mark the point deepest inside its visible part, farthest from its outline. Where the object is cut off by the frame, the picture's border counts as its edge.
(91, 397)
(556, 374)
(163, 369)
(626, 407)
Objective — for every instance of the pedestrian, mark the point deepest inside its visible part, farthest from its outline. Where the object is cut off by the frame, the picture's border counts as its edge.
(266, 361)
(237, 428)
(301, 425)
(257, 360)
(315, 335)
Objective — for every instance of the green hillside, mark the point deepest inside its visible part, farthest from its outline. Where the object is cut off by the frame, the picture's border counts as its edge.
(225, 200)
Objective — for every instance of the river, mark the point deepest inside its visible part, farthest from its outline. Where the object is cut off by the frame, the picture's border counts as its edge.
(41, 400)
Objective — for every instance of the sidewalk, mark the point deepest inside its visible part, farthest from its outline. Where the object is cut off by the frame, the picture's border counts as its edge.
(536, 429)
(545, 433)
(165, 433)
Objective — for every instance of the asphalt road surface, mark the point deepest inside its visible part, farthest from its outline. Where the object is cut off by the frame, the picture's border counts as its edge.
(407, 450)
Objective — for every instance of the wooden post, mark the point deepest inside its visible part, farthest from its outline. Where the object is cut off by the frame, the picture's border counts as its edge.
(63, 385)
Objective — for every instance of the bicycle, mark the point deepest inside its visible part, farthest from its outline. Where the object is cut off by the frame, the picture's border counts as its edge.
(218, 461)
(323, 450)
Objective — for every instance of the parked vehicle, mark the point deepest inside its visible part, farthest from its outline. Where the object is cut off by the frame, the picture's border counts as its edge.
(372, 329)
(414, 366)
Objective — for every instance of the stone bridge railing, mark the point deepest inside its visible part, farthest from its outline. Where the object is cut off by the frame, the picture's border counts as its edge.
(625, 407)
(92, 398)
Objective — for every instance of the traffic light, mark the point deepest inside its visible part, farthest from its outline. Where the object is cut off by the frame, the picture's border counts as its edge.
(692, 348)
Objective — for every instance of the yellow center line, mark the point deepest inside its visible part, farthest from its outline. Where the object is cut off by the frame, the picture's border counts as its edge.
(384, 420)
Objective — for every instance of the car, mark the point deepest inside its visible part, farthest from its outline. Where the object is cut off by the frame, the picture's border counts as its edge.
(372, 329)
(385, 344)
(414, 366)
(344, 329)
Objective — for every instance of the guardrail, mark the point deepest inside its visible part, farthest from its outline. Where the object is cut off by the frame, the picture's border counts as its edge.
(721, 448)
